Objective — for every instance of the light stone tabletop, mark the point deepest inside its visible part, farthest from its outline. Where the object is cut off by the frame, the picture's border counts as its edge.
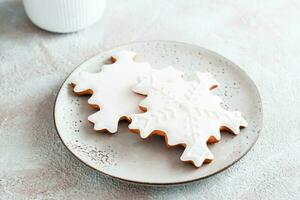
(263, 37)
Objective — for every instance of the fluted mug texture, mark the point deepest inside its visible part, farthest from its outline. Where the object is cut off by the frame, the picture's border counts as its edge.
(64, 16)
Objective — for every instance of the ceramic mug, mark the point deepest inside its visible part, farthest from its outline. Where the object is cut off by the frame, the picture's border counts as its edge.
(64, 16)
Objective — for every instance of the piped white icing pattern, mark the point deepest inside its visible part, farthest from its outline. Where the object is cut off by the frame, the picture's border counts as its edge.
(186, 111)
(112, 90)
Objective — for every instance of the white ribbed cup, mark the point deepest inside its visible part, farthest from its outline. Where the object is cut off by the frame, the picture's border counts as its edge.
(64, 16)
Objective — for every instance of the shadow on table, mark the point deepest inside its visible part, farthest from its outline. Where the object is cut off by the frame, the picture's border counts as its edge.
(14, 23)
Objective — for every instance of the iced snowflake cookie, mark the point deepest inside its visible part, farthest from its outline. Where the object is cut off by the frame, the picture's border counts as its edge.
(185, 112)
(111, 90)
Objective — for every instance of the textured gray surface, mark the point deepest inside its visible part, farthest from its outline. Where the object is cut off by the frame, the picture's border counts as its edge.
(261, 36)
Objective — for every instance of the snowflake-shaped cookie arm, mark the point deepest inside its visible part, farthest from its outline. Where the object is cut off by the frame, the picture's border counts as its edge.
(143, 123)
(233, 121)
(197, 153)
(187, 112)
(105, 120)
(82, 82)
(111, 89)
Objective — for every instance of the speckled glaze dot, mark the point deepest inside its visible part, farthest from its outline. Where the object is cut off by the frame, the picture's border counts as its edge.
(148, 161)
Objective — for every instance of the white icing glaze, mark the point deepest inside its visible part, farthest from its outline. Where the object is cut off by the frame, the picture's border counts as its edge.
(112, 90)
(186, 111)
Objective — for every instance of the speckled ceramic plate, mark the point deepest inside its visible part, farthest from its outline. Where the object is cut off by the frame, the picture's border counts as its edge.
(124, 155)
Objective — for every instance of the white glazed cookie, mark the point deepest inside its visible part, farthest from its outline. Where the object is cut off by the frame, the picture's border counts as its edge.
(185, 112)
(111, 90)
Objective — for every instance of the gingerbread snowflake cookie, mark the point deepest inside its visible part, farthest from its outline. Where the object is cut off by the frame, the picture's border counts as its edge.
(111, 90)
(185, 112)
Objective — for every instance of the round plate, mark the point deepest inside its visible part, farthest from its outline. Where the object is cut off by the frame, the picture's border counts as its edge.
(125, 155)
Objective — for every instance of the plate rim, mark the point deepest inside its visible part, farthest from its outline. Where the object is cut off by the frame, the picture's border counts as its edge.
(158, 183)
